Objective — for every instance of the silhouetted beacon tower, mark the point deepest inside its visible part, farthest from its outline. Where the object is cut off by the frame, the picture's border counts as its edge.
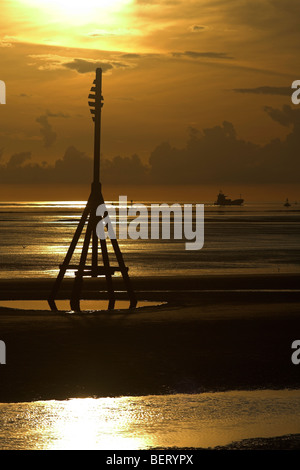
(90, 220)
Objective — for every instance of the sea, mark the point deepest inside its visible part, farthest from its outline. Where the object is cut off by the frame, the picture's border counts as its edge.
(253, 238)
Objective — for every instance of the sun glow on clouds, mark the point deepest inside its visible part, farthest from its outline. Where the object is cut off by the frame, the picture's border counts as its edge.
(76, 12)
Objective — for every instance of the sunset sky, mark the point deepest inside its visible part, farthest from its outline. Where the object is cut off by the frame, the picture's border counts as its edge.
(196, 94)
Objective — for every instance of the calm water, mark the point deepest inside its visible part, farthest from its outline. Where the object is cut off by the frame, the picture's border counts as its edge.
(205, 420)
(34, 238)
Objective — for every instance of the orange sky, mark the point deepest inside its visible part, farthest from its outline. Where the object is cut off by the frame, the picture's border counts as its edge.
(168, 66)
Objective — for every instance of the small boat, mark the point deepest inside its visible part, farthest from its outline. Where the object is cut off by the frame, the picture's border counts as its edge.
(287, 204)
(222, 200)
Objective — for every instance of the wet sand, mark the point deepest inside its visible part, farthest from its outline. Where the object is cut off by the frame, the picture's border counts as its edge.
(211, 334)
(203, 338)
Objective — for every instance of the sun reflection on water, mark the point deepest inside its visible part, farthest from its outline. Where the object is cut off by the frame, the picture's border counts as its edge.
(82, 424)
(145, 422)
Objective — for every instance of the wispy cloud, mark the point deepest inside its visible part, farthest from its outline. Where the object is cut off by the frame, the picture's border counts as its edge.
(48, 134)
(48, 61)
(100, 33)
(204, 55)
(265, 90)
(196, 28)
(5, 43)
(87, 65)
(80, 65)
(58, 114)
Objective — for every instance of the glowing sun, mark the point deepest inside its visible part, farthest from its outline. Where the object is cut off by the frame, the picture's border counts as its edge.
(77, 11)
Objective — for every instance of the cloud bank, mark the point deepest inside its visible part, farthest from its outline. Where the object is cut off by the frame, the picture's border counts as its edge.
(213, 155)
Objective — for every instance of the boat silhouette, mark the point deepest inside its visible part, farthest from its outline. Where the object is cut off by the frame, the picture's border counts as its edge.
(287, 204)
(223, 200)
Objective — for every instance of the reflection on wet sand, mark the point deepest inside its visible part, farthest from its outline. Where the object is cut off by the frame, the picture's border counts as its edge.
(200, 420)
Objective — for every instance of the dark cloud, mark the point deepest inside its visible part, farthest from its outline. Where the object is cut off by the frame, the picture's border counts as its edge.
(18, 159)
(59, 114)
(215, 154)
(205, 55)
(135, 55)
(131, 55)
(286, 116)
(266, 90)
(48, 134)
(212, 155)
(280, 159)
(196, 28)
(17, 171)
(115, 169)
(86, 66)
(74, 167)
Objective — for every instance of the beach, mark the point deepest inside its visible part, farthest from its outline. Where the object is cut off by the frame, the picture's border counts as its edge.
(206, 334)
(198, 338)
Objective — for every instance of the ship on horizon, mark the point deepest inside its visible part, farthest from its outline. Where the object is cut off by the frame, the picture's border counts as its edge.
(223, 200)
